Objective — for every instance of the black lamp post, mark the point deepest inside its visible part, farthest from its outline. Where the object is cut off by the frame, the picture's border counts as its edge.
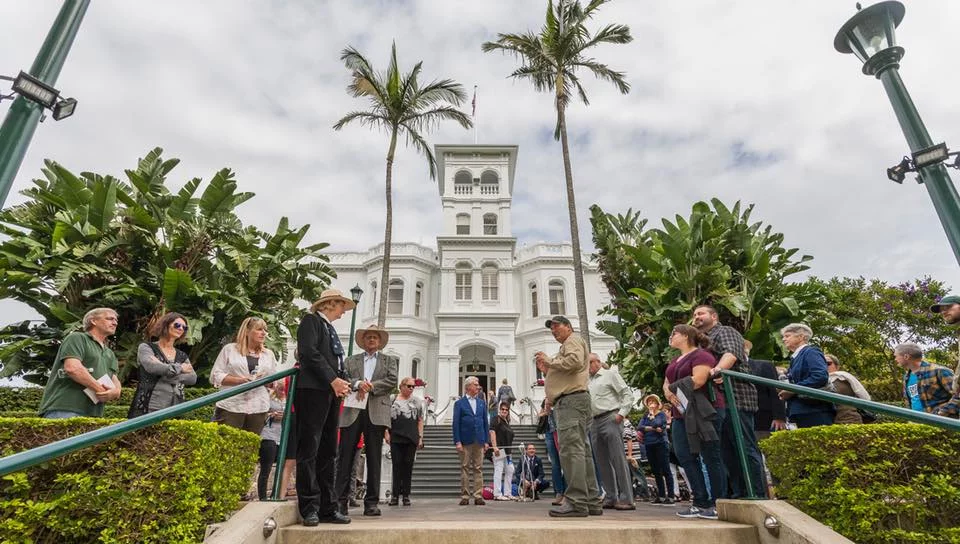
(869, 35)
(355, 295)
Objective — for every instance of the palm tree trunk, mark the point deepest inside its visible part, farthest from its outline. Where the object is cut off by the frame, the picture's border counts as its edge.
(387, 235)
(574, 231)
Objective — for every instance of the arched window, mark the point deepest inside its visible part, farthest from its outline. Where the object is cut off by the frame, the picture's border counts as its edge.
(534, 300)
(415, 368)
(490, 223)
(463, 183)
(395, 297)
(489, 183)
(463, 223)
(489, 282)
(417, 299)
(464, 282)
(557, 304)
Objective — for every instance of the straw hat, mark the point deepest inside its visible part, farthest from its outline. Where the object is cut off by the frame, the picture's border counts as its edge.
(361, 333)
(654, 397)
(333, 295)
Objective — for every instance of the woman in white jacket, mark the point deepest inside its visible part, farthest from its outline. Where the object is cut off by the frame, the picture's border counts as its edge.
(243, 361)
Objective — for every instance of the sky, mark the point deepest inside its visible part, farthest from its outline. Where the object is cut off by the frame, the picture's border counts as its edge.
(743, 100)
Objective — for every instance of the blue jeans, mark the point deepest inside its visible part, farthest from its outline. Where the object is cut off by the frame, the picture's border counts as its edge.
(556, 472)
(752, 451)
(61, 414)
(711, 457)
(659, 456)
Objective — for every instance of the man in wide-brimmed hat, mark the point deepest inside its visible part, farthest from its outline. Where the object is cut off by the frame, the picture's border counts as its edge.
(320, 386)
(373, 376)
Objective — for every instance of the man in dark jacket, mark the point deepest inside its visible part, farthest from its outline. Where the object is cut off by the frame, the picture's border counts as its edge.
(771, 412)
(529, 475)
(320, 386)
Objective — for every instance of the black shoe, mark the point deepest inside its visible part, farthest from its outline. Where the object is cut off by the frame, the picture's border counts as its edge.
(371, 511)
(393, 501)
(609, 505)
(335, 517)
(311, 520)
(568, 511)
(342, 508)
(668, 501)
(406, 501)
(354, 504)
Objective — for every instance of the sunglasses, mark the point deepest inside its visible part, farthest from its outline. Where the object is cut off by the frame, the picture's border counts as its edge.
(180, 327)
(407, 385)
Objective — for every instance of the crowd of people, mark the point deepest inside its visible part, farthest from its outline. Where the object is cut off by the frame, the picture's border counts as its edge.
(342, 402)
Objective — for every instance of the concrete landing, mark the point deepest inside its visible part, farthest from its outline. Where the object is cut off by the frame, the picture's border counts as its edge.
(442, 520)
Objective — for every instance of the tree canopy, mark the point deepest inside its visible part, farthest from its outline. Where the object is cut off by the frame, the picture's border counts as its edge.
(93, 240)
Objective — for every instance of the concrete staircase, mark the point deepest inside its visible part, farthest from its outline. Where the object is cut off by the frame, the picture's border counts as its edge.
(436, 472)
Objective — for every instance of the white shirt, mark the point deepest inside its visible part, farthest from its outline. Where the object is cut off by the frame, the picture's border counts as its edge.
(797, 352)
(369, 365)
(473, 404)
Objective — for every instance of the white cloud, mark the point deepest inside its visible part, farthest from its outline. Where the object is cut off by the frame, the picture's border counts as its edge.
(256, 86)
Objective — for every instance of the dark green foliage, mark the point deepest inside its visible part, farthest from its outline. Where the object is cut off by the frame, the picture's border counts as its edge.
(868, 318)
(882, 483)
(162, 484)
(716, 256)
(92, 240)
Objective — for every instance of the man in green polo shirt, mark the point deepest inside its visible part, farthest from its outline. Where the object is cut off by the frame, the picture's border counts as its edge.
(82, 360)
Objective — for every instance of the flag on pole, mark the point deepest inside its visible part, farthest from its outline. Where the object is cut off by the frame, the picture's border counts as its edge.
(474, 103)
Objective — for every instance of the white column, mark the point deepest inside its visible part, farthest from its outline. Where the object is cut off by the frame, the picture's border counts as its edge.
(448, 375)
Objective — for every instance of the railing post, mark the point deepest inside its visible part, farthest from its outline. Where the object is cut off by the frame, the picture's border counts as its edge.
(738, 434)
(284, 437)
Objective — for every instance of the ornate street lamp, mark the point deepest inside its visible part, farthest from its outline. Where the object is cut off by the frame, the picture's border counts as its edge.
(870, 35)
(355, 295)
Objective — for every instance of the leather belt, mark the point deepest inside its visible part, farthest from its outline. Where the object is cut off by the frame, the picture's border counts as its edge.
(605, 414)
(582, 391)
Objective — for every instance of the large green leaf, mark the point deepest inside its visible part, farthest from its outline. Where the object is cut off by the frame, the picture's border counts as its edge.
(177, 286)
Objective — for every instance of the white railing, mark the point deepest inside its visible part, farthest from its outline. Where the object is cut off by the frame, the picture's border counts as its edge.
(462, 189)
(489, 189)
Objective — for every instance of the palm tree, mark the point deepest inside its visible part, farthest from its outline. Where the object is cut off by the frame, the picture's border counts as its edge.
(400, 105)
(550, 60)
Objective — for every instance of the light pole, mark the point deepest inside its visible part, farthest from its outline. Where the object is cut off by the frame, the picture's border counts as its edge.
(355, 295)
(24, 115)
(869, 35)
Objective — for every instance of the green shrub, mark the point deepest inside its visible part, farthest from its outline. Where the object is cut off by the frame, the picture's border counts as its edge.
(26, 399)
(885, 389)
(882, 483)
(163, 484)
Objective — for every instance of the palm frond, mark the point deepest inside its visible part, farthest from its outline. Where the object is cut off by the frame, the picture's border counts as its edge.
(365, 118)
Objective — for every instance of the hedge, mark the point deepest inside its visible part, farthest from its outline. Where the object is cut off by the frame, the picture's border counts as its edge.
(165, 483)
(881, 483)
(26, 399)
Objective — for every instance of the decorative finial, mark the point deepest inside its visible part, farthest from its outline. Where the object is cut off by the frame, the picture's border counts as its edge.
(859, 7)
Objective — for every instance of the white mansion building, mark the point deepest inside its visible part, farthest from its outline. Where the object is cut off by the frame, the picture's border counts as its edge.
(476, 305)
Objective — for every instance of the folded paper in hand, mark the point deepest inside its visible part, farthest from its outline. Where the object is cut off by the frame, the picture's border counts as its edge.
(352, 401)
(682, 405)
(106, 381)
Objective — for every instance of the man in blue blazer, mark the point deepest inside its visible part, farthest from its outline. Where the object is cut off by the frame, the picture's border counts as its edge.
(471, 434)
(808, 368)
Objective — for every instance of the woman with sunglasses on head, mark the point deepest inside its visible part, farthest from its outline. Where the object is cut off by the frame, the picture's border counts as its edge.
(242, 361)
(164, 369)
(405, 437)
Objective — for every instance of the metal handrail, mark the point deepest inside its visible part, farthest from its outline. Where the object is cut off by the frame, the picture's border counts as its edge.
(818, 394)
(53, 450)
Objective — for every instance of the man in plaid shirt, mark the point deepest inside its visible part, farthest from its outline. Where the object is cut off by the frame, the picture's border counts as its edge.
(949, 310)
(926, 387)
(727, 345)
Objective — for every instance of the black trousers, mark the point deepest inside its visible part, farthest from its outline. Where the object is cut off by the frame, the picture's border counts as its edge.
(373, 446)
(402, 456)
(318, 417)
(268, 458)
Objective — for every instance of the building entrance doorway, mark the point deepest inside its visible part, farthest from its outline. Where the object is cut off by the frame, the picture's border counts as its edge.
(477, 360)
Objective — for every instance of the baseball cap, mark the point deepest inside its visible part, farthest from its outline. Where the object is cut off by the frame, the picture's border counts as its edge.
(944, 302)
(560, 320)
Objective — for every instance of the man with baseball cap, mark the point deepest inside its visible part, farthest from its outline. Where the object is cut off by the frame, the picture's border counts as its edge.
(949, 310)
(567, 375)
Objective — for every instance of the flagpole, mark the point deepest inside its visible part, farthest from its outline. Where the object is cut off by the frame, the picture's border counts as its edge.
(475, 128)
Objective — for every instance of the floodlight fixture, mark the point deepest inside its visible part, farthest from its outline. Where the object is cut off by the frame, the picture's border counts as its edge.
(33, 89)
(898, 172)
(64, 108)
(931, 155)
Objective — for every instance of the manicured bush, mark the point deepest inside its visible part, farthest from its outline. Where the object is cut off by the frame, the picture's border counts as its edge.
(26, 399)
(881, 483)
(163, 484)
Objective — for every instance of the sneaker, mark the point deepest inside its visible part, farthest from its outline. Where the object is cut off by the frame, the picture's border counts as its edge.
(502, 498)
(708, 513)
(667, 502)
(689, 512)
(657, 500)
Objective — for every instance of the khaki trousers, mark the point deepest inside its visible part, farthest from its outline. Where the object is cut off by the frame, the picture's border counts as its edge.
(471, 459)
(573, 413)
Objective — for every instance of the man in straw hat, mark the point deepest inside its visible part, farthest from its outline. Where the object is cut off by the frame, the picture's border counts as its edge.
(373, 376)
(320, 386)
